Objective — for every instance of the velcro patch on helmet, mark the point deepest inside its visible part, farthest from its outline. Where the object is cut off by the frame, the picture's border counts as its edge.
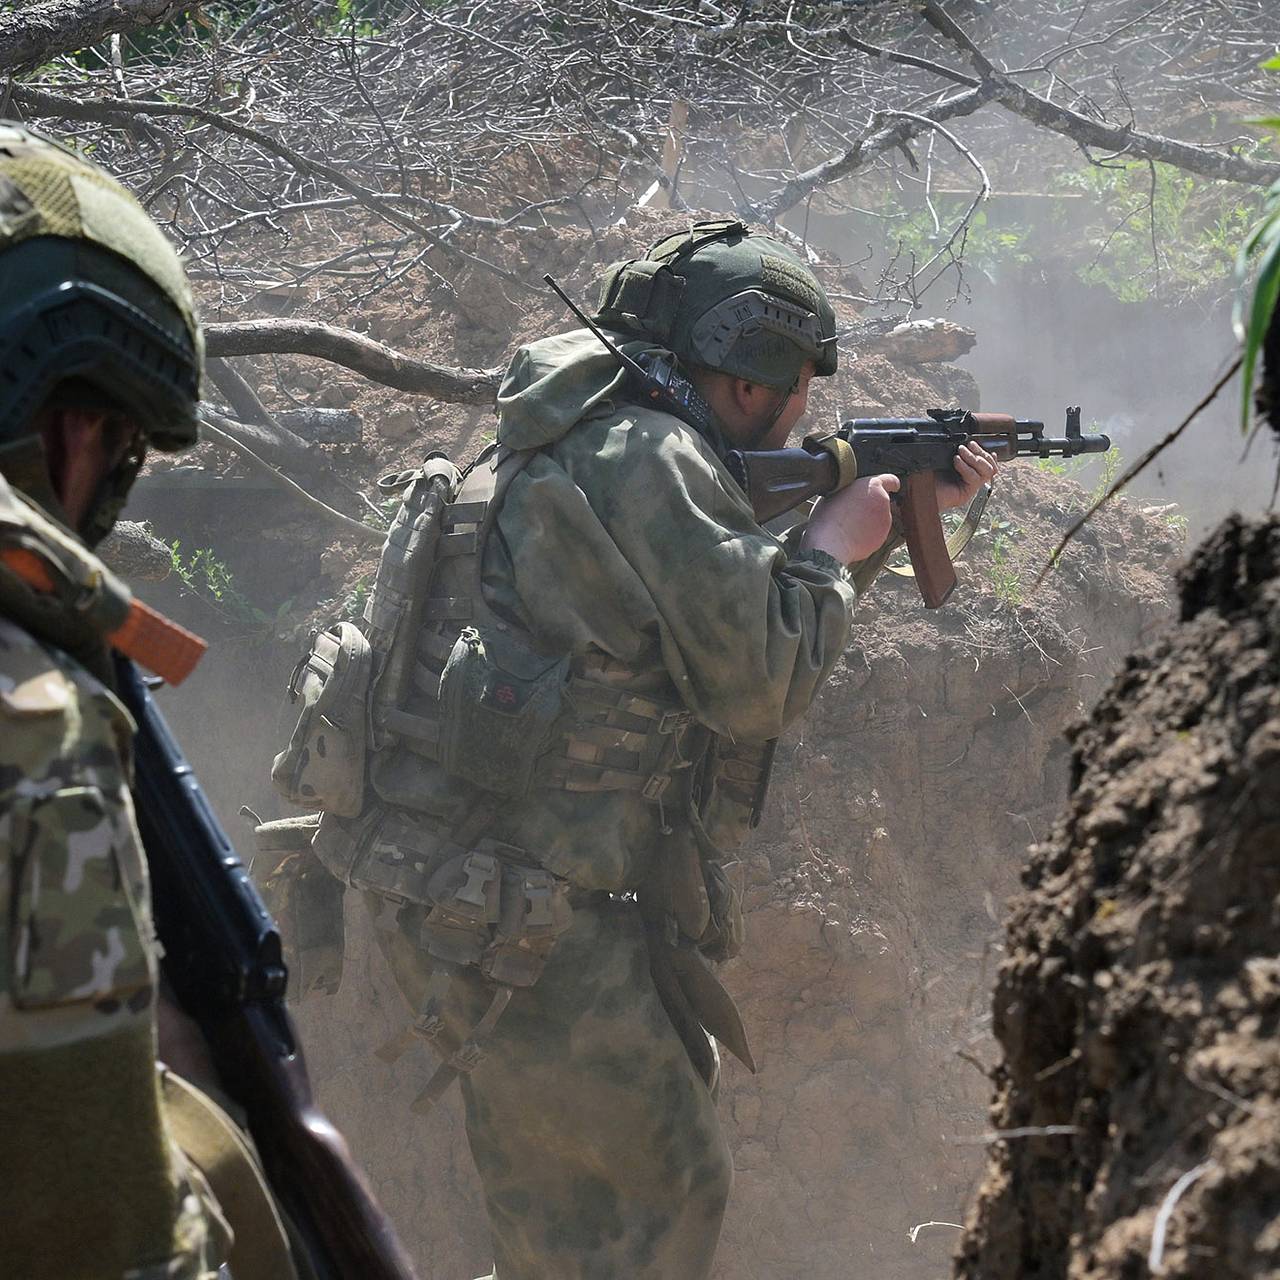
(780, 276)
(16, 211)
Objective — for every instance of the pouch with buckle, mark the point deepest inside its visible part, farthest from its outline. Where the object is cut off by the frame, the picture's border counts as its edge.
(323, 767)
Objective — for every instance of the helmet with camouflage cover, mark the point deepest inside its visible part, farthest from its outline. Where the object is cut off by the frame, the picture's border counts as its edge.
(95, 306)
(722, 297)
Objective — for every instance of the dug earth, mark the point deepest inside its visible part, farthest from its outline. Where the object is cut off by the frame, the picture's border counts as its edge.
(1139, 1003)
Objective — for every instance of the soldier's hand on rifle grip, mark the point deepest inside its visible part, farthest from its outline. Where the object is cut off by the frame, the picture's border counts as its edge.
(853, 522)
(974, 467)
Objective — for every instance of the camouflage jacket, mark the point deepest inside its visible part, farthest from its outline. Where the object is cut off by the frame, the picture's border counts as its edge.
(93, 1186)
(625, 543)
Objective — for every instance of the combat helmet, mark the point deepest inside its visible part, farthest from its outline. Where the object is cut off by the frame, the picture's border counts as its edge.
(94, 302)
(723, 297)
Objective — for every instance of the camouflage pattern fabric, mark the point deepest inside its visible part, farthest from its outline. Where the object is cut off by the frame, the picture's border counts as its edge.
(597, 1142)
(93, 1188)
(625, 543)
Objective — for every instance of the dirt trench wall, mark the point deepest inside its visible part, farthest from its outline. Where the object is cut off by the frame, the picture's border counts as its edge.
(1139, 1003)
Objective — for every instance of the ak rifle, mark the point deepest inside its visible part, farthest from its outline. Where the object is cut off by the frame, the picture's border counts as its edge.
(222, 956)
(916, 450)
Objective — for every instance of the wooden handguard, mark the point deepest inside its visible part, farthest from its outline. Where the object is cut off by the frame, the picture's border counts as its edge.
(922, 528)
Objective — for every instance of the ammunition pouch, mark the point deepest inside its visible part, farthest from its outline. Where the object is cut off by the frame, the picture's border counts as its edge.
(323, 767)
(489, 907)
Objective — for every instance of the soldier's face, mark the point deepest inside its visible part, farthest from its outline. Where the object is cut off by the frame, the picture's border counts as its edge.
(83, 447)
(792, 411)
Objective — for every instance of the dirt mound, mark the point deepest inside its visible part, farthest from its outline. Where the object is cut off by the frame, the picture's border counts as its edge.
(1139, 1002)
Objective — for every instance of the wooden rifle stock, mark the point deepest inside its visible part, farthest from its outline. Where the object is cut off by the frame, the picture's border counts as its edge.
(342, 1229)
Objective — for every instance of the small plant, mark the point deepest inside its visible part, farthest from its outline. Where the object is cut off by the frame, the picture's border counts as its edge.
(353, 603)
(1112, 464)
(1003, 572)
(207, 577)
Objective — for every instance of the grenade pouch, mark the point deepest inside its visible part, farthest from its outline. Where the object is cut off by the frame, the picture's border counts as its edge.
(323, 767)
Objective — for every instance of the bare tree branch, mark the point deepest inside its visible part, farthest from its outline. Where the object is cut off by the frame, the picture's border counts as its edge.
(34, 33)
(883, 138)
(357, 353)
(1079, 128)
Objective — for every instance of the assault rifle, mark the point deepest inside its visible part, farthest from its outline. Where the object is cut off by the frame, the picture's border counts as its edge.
(223, 959)
(915, 450)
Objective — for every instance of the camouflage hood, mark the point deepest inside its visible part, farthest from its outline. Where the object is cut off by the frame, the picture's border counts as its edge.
(555, 382)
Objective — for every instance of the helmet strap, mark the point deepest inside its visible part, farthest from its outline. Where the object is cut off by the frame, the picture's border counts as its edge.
(759, 436)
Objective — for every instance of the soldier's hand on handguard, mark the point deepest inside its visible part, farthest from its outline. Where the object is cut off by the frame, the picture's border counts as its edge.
(975, 467)
(853, 522)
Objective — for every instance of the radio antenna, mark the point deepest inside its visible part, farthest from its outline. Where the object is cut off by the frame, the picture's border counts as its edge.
(633, 367)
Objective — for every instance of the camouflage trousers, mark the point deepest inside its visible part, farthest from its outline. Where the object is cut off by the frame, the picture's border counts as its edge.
(596, 1141)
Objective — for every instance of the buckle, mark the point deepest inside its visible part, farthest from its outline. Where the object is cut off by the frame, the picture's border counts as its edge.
(673, 720)
(537, 900)
(481, 869)
(429, 1023)
(655, 786)
(467, 1058)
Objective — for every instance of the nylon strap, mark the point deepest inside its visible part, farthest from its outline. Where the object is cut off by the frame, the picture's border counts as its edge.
(959, 538)
(468, 1055)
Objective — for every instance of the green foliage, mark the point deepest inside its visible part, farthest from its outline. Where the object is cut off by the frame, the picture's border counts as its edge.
(984, 245)
(208, 578)
(1263, 242)
(1112, 464)
(352, 607)
(1003, 571)
(1160, 230)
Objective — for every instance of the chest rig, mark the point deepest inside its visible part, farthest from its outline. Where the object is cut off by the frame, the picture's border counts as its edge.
(459, 712)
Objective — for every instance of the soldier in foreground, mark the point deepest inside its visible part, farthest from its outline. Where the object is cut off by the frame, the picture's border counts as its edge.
(574, 666)
(115, 1167)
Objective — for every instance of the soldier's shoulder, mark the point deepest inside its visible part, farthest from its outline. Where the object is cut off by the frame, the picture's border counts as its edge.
(640, 437)
(58, 724)
(34, 682)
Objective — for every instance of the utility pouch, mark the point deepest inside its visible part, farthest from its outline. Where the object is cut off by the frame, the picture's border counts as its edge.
(495, 913)
(324, 764)
(397, 855)
(306, 902)
(500, 702)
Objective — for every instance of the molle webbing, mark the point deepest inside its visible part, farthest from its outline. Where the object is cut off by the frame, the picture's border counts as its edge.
(620, 741)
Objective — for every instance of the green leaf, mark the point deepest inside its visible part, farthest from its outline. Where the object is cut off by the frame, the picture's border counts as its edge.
(1265, 122)
(1265, 293)
(1271, 64)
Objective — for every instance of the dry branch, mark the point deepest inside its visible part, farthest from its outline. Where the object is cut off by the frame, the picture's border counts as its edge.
(34, 33)
(1121, 139)
(356, 352)
(882, 138)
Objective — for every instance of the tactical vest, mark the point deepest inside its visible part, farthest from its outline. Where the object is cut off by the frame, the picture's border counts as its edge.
(455, 710)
